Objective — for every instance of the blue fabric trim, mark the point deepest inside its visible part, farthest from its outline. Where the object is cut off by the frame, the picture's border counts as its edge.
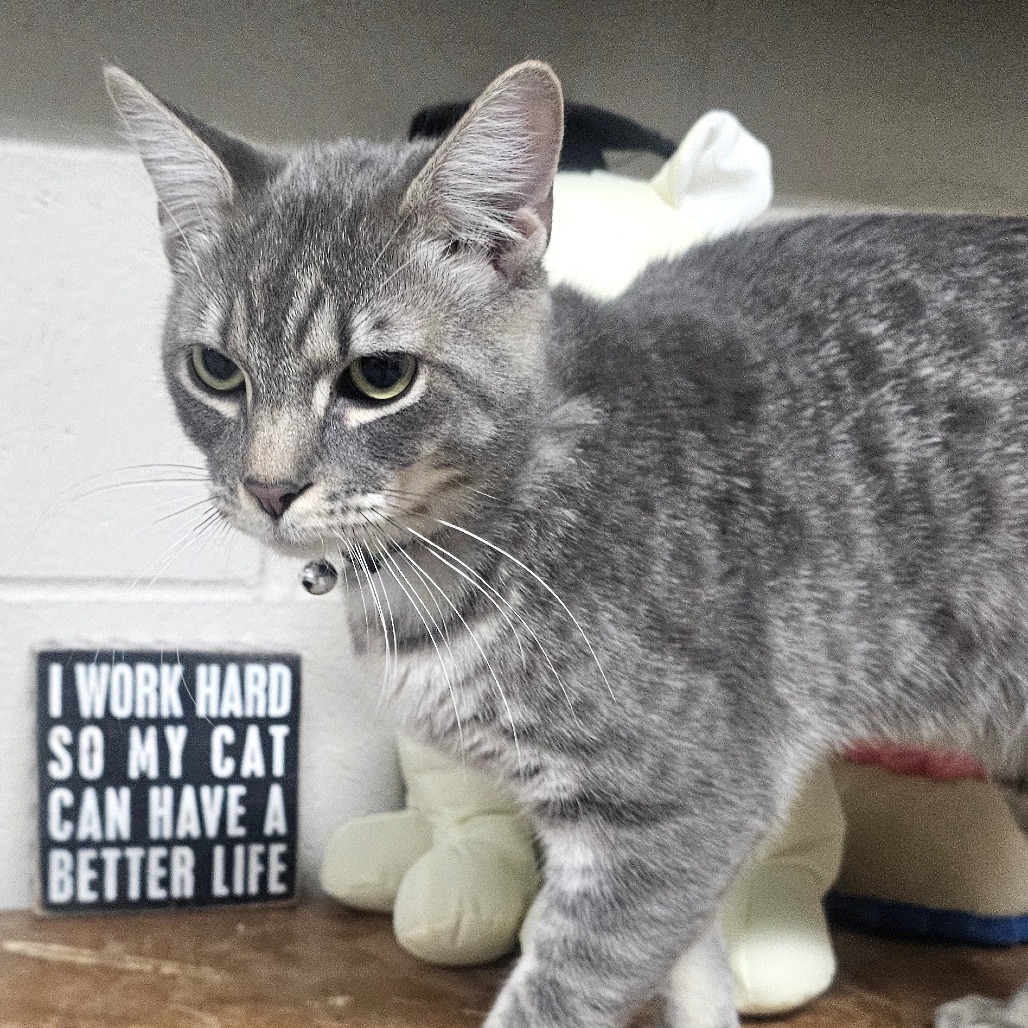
(909, 921)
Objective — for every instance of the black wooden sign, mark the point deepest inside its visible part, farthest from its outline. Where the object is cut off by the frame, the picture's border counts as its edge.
(166, 779)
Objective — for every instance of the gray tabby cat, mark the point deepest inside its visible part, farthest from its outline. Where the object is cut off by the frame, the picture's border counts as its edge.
(645, 561)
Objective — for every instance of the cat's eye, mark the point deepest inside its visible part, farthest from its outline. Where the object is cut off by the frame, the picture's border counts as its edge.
(215, 370)
(380, 376)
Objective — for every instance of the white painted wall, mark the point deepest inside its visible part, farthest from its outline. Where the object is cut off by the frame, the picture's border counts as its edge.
(913, 103)
(85, 558)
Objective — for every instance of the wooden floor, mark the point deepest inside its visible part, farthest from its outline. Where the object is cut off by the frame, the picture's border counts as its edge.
(318, 965)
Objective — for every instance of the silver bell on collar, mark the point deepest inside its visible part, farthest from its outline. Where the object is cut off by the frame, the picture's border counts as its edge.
(319, 577)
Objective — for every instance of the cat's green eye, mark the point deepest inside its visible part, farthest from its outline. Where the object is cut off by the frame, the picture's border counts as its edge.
(215, 370)
(381, 376)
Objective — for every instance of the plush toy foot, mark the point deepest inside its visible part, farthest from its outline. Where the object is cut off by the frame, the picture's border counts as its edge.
(463, 901)
(773, 919)
(779, 946)
(982, 1012)
(365, 860)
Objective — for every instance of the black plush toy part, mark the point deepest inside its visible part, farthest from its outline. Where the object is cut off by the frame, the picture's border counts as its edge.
(588, 133)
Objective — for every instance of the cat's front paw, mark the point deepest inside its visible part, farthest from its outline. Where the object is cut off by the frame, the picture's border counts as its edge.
(982, 1012)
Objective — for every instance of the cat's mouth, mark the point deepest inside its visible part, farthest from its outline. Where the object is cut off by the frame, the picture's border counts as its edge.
(297, 538)
(356, 532)
(326, 522)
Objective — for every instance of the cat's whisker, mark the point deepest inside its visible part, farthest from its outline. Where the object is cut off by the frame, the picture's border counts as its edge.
(68, 496)
(222, 531)
(492, 674)
(183, 236)
(543, 583)
(473, 579)
(344, 570)
(223, 537)
(451, 560)
(369, 531)
(366, 301)
(434, 586)
(392, 625)
(149, 526)
(199, 532)
(400, 226)
(362, 563)
(67, 500)
(482, 492)
(182, 510)
(152, 514)
(404, 494)
(207, 534)
(348, 559)
(188, 537)
(420, 500)
(140, 467)
(417, 604)
(194, 524)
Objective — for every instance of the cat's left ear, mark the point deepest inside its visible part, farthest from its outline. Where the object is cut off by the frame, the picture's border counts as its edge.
(491, 179)
(196, 170)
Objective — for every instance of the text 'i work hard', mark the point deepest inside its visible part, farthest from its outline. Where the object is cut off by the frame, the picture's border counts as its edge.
(166, 782)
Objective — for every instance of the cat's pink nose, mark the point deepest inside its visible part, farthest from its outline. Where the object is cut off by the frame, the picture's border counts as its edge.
(274, 497)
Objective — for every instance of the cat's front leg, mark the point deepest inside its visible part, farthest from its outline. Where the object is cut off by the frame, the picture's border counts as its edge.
(701, 989)
(620, 905)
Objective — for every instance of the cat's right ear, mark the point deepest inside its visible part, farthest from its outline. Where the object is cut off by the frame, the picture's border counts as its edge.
(193, 183)
(490, 182)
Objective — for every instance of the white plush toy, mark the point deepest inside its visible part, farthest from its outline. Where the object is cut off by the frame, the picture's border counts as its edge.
(457, 867)
(608, 227)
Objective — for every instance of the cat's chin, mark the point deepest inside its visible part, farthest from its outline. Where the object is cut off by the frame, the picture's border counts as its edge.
(303, 546)
(315, 548)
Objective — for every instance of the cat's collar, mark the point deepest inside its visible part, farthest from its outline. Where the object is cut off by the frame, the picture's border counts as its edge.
(320, 576)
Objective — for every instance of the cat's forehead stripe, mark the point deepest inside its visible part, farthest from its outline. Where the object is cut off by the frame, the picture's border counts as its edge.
(309, 328)
(319, 342)
(237, 325)
(304, 308)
